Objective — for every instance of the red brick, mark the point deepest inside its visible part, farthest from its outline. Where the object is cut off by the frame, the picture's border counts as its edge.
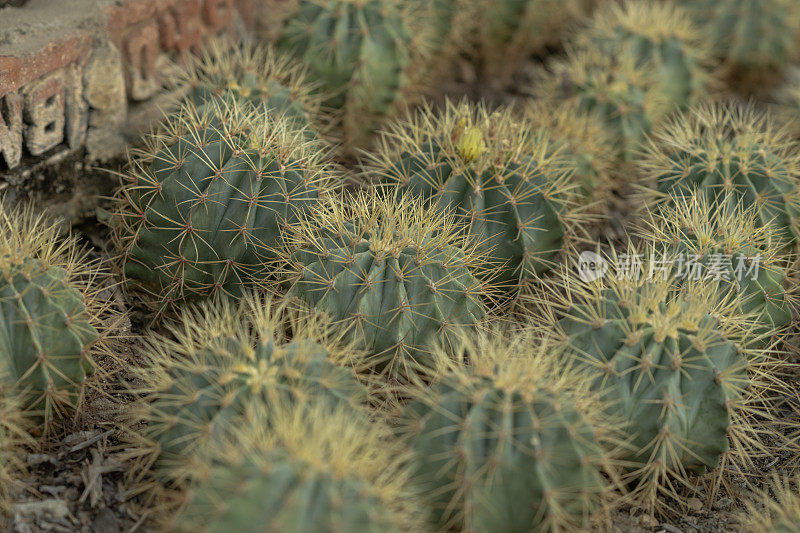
(16, 72)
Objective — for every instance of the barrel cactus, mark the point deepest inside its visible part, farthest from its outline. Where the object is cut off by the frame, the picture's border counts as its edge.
(511, 441)
(733, 154)
(659, 34)
(252, 74)
(750, 35)
(585, 142)
(362, 53)
(53, 323)
(505, 33)
(726, 246)
(201, 210)
(222, 357)
(395, 273)
(677, 367)
(315, 470)
(14, 436)
(508, 179)
(626, 94)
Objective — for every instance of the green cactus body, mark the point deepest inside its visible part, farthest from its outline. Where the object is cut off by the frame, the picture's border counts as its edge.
(754, 34)
(734, 156)
(728, 247)
(359, 52)
(510, 183)
(203, 210)
(45, 333)
(252, 75)
(660, 35)
(315, 469)
(501, 452)
(627, 96)
(393, 273)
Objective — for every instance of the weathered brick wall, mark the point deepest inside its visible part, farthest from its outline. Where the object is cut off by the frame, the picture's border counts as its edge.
(81, 79)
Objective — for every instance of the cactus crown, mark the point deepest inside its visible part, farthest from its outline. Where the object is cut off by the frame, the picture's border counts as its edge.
(680, 367)
(733, 154)
(398, 274)
(328, 451)
(202, 208)
(501, 404)
(57, 322)
(222, 357)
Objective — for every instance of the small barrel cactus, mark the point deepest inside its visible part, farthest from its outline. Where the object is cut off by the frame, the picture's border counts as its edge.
(202, 208)
(396, 273)
(661, 35)
(727, 246)
(753, 35)
(362, 53)
(675, 366)
(627, 95)
(252, 74)
(511, 441)
(315, 469)
(734, 155)
(506, 178)
(583, 140)
(53, 323)
(223, 358)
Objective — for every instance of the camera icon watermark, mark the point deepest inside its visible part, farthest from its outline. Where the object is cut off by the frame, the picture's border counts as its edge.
(591, 266)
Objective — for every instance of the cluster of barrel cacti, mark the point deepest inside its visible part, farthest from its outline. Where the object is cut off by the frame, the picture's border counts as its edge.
(376, 307)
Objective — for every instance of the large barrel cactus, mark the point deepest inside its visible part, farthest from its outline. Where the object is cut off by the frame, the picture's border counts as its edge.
(507, 179)
(625, 93)
(675, 364)
(256, 75)
(316, 469)
(201, 211)
(224, 357)
(734, 155)
(511, 441)
(361, 53)
(396, 273)
(661, 35)
(53, 324)
(726, 246)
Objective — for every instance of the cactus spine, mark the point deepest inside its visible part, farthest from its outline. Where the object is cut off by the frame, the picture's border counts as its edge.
(513, 441)
(201, 211)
